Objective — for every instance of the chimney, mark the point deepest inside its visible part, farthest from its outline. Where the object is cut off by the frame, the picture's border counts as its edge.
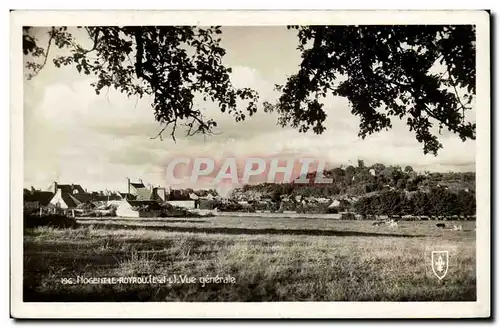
(140, 180)
(55, 187)
(32, 189)
(128, 187)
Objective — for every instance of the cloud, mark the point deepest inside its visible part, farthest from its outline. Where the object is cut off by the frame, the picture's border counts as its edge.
(74, 135)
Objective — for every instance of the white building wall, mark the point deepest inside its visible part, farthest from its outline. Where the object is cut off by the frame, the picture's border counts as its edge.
(57, 200)
(124, 209)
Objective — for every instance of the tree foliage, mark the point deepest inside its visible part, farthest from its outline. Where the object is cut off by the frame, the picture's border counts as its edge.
(435, 203)
(356, 181)
(423, 74)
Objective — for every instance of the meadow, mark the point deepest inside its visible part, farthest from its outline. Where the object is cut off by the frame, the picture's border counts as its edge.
(248, 259)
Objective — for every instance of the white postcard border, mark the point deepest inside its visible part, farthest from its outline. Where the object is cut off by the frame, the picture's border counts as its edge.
(480, 308)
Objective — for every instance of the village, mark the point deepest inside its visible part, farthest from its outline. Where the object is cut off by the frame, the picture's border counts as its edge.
(331, 158)
(143, 200)
(147, 200)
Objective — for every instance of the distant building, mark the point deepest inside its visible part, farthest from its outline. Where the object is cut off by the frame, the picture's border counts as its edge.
(180, 199)
(124, 195)
(66, 200)
(159, 194)
(136, 208)
(139, 190)
(335, 204)
(67, 188)
(187, 204)
(35, 198)
(68, 196)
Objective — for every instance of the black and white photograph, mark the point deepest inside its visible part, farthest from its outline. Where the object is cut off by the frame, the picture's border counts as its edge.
(298, 162)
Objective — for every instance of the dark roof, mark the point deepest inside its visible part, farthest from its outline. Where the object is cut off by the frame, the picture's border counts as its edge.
(159, 194)
(104, 198)
(178, 195)
(137, 185)
(125, 195)
(42, 197)
(82, 198)
(70, 188)
(71, 202)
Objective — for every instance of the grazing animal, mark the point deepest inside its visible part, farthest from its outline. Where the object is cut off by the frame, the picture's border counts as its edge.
(441, 225)
(457, 228)
(377, 223)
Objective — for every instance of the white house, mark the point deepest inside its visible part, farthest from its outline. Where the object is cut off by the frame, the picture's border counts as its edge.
(64, 200)
(335, 203)
(187, 204)
(125, 209)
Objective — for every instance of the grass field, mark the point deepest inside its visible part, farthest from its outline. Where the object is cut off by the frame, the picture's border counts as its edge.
(269, 259)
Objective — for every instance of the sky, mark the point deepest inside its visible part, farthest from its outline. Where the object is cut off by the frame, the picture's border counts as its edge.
(72, 135)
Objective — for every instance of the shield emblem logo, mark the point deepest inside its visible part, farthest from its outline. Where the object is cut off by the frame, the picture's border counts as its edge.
(440, 263)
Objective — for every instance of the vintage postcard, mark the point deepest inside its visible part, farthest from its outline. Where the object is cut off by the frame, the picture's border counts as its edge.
(259, 164)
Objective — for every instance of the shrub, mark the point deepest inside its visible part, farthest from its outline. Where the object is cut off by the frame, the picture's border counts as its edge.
(49, 220)
(348, 216)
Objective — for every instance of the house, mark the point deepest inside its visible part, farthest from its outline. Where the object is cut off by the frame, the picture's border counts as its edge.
(323, 200)
(180, 199)
(339, 205)
(67, 188)
(105, 196)
(159, 194)
(206, 204)
(138, 191)
(136, 208)
(335, 204)
(124, 195)
(66, 200)
(187, 204)
(68, 196)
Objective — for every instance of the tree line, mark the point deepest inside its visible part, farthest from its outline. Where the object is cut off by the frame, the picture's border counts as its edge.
(436, 203)
(361, 179)
(388, 73)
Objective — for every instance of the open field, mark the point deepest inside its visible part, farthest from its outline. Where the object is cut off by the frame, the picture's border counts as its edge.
(270, 259)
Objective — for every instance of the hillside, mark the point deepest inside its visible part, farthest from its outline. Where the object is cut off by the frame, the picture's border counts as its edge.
(358, 181)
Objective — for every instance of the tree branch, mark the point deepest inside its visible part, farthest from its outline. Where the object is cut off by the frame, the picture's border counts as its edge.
(138, 57)
(160, 134)
(434, 116)
(453, 84)
(96, 36)
(46, 56)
